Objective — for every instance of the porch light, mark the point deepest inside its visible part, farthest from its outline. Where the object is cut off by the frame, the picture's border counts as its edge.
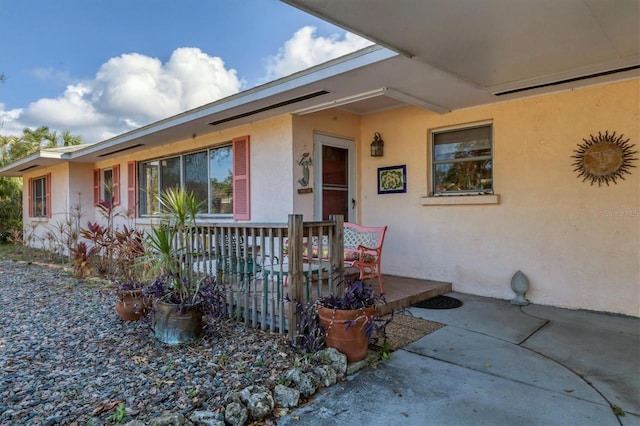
(377, 145)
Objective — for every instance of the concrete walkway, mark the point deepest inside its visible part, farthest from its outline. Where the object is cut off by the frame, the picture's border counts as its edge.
(496, 364)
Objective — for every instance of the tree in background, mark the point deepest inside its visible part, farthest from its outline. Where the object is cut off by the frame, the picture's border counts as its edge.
(10, 192)
(13, 148)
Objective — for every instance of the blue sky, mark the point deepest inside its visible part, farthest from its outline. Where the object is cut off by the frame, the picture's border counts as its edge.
(102, 67)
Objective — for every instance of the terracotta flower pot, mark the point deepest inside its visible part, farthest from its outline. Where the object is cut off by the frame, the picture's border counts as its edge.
(173, 325)
(132, 305)
(350, 340)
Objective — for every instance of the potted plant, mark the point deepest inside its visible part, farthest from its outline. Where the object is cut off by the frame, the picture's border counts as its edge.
(128, 258)
(349, 321)
(132, 303)
(177, 299)
(118, 253)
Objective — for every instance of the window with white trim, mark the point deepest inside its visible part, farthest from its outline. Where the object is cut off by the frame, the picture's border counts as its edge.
(208, 174)
(462, 160)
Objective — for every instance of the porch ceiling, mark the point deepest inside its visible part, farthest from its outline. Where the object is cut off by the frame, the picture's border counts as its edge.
(496, 45)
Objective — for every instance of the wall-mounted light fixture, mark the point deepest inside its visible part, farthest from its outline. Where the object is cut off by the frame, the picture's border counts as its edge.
(377, 145)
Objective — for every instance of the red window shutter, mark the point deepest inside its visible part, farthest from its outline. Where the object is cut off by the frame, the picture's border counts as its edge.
(96, 187)
(241, 190)
(30, 198)
(131, 189)
(115, 195)
(47, 182)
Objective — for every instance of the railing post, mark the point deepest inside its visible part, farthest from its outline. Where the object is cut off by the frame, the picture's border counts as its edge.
(296, 277)
(337, 253)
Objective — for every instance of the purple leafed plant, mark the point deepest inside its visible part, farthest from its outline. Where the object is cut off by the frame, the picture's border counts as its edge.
(210, 297)
(359, 294)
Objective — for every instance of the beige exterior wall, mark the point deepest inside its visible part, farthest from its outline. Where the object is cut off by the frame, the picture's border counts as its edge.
(271, 165)
(68, 188)
(334, 123)
(578, 244)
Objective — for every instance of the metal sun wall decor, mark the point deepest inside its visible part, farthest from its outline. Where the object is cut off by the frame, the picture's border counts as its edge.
(603, 158)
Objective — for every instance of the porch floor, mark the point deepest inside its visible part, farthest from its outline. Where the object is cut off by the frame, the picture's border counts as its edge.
(402, 292)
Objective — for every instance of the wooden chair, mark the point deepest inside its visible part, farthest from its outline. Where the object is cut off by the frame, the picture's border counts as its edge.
(363, 250)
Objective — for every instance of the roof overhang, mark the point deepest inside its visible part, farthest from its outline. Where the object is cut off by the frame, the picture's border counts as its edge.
(39, 160)
(500, 46)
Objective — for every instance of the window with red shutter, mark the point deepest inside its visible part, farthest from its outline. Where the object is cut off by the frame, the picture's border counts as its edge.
(131, 189)
(47, 200)
(218, 177)
(96, 187)
(115, 182)
(241, 179)
(30, 197)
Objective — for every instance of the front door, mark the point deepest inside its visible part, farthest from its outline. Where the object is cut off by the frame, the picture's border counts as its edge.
(334, 177)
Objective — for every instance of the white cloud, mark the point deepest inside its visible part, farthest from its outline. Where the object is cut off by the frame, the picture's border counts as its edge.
(128, 91)
(133, 90)
(9, 124)
(305, 49)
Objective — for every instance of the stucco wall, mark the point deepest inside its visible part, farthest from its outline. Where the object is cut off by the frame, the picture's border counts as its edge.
(71, 204)
(271, 165)
(578, 244)
(81, 190)
(332, 122)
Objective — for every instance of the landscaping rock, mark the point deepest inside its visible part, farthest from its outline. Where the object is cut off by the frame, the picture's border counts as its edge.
(301, 381)
(233, 397)
(354, 367)
(53, 420)
(135, 423)
(336, 359)
(258, 400)
(206, 418)
(236, 414)
(173, 419)
(327, 375)
(285, 396)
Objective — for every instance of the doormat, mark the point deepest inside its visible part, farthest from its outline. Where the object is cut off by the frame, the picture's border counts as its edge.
(439, 302)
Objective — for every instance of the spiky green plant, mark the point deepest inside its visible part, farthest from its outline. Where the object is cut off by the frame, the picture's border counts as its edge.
(171, 243)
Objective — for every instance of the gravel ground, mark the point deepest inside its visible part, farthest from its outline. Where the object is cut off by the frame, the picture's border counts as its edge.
(65, 355)
(67, 358)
